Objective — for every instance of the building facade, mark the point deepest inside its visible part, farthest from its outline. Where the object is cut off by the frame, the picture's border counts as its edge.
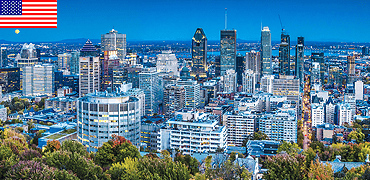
(114, 41)
(167, 63)
(10, 79)
(266, 51)
(173, 100)
(151, 85)
(199, 54)
(89, 76)
(228, 50)
(38, 80)
(284, 54)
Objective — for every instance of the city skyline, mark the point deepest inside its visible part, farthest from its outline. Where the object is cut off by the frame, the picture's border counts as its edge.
(333, 21)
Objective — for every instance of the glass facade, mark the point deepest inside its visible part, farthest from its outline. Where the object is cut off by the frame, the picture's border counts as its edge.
(228, 50)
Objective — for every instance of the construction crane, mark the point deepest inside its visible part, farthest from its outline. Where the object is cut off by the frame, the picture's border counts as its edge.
(281, 24)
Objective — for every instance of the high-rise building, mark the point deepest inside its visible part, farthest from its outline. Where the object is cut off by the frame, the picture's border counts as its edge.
(27, 57)
(64, 61)
(266, 83)
(228, 50)
(173, 100)
(75, 63)
(365, 51)
(149, 82)
(240, 68)
(217, 66)
(317, 114)
(3, 57)
(359, 90)
(330, 111)
(229, 81)
(266, 51)
(167, 63)
(109, 63)
(89, 75)
(114, 41)
(299, 60)
(239, 127)
(192, 93)
(286, 86)
(10, 79)
(126, 75)
(72, 81)
(101, 115)
(253, 61)
(284, 54)
(249, 81)
(319, 58)
(344, 114)
(199, 54)
(38, 80)
(351, 69)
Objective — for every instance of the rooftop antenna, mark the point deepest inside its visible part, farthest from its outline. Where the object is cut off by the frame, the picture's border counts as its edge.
(225, 18)
(281, 24)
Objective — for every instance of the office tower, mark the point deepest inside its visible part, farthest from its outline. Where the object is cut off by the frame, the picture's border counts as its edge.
(189, 126)
(38, 80)
(167, 63)
(239, 127)
(299, 60)
(359, 90)
(114, 41)
(173, 100)
(109, 63)
(286, 86)
(365, 51)
(3, 57)
(228, 50)
(284, 54)
(27, 57)
(345, 114)
(280, 125)
(72, 81)
(126, 75)
(229, 81)
(217, 66)
(192, 93)
(253, 61)
(317, 114)
(64, 61)
(330, 111)
(266, 83)
(249, 81)
(101, 115)
(240, 68)
(351, 68)
(135, 92)
(319, 58)
(149, 82)
(315, 74)
(335, 76)
(74, 63)
(89, 75)
(10, 79)
(58, 81)
(266, 51)
(212, 88)
(199, 54)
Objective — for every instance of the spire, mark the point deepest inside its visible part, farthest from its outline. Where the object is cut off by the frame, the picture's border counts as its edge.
(88, 49)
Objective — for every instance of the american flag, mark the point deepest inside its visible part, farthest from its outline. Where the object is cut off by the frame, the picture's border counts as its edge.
(28, 13)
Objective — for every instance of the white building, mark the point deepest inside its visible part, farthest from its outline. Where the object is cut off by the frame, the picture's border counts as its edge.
(64, 61)
(167, 63)
(3, 113)
(89, 77)
(359, 90)
(27, 57)
(286, 86)
(345, 114)
(280, 126)
(101, 115)
(317, 114)
(192, 93)
(38, 80)
(150, 83)
(229, 80)
(330, 112)
(249, 81)
(266, 83)
(135, 92)
(114, 41)
(192, 132)
(239, 126)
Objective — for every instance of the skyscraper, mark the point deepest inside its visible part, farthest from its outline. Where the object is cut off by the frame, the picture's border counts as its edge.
(64, 61)
(149, 82)
(74, 63)
(240, 68)
(284, 54)
(299, 60)
(114, 41)
(253, 61)
(10, 79)
(3, 57)
(89, 74)
(351, 69)
(108, 65)
(266, 51)
(167, 63)
(199, 54)
(173, 99)
(38, 80)
(319, 58)
(228, 50)
(27, 57)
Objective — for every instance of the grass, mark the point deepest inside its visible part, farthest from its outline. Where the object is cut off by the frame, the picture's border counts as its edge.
(61, 134)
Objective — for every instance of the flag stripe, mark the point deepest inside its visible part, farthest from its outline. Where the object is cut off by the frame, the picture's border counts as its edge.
(1, 23)
(47, 3)
(39, 13)
(41, 8)
(39, 5)
(39, 0)
(26, 25)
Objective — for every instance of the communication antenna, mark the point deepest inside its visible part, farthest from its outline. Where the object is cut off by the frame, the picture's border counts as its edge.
(225, 18)
(281, 24)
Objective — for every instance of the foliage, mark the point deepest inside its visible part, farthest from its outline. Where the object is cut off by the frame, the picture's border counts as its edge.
(189, 161)
(16, 104)
(290, 148)
(74, 147)
(115, 150)
(29, 155)
(52, 146)
(233, 156)
(285, 166)
(255, 136)
(357, 135)
(320, 171)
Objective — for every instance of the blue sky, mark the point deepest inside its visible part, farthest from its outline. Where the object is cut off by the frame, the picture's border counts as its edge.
(316, 20)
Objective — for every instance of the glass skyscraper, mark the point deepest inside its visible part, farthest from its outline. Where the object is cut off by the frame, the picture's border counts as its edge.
(299, 60)
(284, 54)
(199, 53)
(114, 41)
(228, 50)
(266, 51)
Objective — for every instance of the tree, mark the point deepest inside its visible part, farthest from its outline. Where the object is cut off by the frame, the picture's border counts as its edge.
(74, 147)
(189, 161)
(290, 148)
(233, 154)
(255, 136)
(285, 166)
(52, 146)
(356, 135)
(115, 150)
(320, 171)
